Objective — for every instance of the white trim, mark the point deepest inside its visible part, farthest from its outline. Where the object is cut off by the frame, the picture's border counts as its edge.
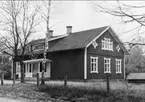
(91, 57)
(85, 63)
(116, 37)
(32, 68)
(116, 63)
(39, 67)
(98, 36)
(107, 44)
(36, 60)
(109, 65)
(124, 67)
(12, 70)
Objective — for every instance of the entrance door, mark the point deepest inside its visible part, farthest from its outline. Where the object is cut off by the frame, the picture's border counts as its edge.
(47, 70)
(28, 68)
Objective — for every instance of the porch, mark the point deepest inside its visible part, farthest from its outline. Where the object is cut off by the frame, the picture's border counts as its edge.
(34, 66)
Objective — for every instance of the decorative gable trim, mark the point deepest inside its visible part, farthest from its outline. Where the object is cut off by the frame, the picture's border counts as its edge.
(94, 44)
(118, 48)
(97, 36)
(117, 39)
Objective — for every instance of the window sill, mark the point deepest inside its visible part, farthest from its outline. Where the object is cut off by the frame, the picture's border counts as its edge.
(118, 72)
(107, 49)
(107, 72)
(94, 72)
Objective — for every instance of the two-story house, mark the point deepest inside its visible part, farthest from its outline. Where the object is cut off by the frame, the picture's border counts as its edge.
(88, 54)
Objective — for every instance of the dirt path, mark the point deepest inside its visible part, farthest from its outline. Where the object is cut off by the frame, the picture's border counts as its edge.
(4, 99)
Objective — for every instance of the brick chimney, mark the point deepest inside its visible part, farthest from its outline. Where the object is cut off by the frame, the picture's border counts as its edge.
(51, 32)
(68, 29)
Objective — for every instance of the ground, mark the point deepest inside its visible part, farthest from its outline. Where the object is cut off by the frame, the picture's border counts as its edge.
(2, 99)
(28, 92)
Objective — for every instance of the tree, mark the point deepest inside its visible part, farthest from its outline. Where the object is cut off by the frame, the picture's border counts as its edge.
(129, 12)
(46, 17)
(5, 65)
(135, 62)
(19, 22)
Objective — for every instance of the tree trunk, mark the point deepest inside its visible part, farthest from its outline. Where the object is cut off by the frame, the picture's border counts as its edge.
(14, 71)
(107, 83)
(37, 79)
(65, 80)
(22, 72)
(42, 74)
(2, 78)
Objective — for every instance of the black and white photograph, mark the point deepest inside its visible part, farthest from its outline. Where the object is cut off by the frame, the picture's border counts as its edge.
(72, 51)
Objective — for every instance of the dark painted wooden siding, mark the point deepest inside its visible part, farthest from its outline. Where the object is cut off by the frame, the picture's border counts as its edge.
(70, 62)
(101, 54)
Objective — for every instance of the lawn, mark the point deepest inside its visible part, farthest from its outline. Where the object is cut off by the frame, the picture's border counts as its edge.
(75, 92)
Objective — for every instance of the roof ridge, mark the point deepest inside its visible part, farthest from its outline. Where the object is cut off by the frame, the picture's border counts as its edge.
(90, 29)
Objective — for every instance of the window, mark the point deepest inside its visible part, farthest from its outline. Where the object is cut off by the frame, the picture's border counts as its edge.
(118, 65)
(107, 65)
(107, 44)
(17, 67)
(38, 46)
(94, 64)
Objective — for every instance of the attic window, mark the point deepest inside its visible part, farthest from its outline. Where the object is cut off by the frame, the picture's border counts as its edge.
(107, 44)
(37, 46)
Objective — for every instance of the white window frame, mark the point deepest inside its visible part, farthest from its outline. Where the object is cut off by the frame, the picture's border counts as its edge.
(118, 66)
(18, 70)
(107, 44)
(94, 64)
(107, 65)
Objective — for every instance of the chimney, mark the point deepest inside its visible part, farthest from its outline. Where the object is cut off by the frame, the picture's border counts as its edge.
(51, 32)
(68, 29)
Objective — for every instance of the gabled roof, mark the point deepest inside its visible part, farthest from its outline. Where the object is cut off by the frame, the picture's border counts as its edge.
(136, 76)
(79, 40)
(76, 40)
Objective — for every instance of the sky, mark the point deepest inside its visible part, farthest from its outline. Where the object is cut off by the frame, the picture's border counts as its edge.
(82, 15)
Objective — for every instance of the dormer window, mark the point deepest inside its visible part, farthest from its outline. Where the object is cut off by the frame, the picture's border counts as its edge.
(107, 44)
(37, 46)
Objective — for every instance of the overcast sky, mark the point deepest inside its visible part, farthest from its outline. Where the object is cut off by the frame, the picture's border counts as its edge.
(82, 15)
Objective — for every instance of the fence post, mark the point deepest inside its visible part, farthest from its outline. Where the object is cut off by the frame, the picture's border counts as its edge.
(14, 78)
(65, 80)
(37, 79)
(2, 78)
(107, 82)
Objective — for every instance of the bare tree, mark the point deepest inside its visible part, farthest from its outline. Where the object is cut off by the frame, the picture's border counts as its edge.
(129, 12)
(45, 14)
(19, 22)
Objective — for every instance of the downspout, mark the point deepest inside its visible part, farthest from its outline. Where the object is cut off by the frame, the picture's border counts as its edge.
(85, 64)
(124, 66)
(12, 69)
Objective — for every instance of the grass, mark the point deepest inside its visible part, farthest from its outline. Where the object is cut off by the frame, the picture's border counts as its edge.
(74, 92)
(25, 91)
(81, 94)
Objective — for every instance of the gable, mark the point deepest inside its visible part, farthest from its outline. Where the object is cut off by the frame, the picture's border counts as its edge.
(99, 51)
(110, 34)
